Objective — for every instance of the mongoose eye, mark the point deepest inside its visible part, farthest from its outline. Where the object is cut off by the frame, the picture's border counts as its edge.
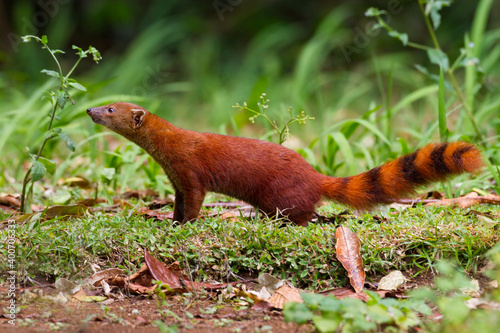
(111, 110)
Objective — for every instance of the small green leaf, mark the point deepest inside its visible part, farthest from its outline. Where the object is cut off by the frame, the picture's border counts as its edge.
(62, 97)
(77, 86)
(439, 58)
(296, 312)
(50, 72)
(44, 39)
(50, 97)
(108, 173)
(49, 164)
(324, 324)
(37, 171)
(432, 9)
(69, 143)
(49, 135)
(58, 51)
(96, 55)
(312, 300)
(81, 53)
(401, 36)
(372, 11)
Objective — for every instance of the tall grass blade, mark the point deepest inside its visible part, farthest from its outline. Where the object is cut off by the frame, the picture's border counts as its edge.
(414, 96)
(495, 172)
(388, 97)
(346, 150)
(443, 130)
(479, 25)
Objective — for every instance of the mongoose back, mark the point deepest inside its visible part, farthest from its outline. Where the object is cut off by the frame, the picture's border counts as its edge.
(273, 178)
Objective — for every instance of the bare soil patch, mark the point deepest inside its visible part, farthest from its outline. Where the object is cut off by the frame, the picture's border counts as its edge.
(137, 314)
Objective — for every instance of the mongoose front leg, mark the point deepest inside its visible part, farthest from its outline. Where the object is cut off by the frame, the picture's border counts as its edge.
(192, 200)
(179, 206)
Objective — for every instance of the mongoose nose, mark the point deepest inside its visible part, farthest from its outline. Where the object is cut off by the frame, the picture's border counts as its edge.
(89, 110)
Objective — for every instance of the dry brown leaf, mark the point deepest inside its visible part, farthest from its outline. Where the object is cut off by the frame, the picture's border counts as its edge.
(76, 181)
(468, 200)
(144, 194)
(262, 306)
(175, 277)
(106, 274)
(85, 297)
(161, 216)
(73, 210)
(10, 201)
(171, 275)
(344, 292)
(392, 281)
(91, 202)
(284, 294)
(348, 252)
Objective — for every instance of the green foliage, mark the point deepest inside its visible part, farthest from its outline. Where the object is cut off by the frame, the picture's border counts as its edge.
(40, 165)
(330, 314)
(451, 296)
(460, 312)
(431, 12)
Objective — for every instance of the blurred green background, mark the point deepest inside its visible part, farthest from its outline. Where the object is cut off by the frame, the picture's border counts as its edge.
(190, 62)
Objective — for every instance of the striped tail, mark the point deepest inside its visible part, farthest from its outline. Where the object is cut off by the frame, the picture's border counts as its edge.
(402, 177)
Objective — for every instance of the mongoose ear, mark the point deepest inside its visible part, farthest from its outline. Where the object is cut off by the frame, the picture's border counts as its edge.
(138, 116)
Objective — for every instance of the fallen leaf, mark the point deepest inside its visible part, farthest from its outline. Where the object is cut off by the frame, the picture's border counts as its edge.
(10, 201)
(82, 296)
(473, 288)
(348, 253)
(477, 303)
(176, 279)
(144, 194)
(91, 202)
(68, 210)
(262, 306)
(468, 200)
(106, 274)
(170, 275)
(76, 181)
(344, 292)
(392, 281)
(66, 286)
(161, 216)
(285, 294)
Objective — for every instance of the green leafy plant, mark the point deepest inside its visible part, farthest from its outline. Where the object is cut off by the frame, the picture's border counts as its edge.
(452, 297)
(284, 131)
(329, 314)
(467, 58)
(58, 99)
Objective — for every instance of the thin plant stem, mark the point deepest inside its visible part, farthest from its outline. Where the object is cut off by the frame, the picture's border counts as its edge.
(449, 71)
(72, 69)
(57, 62)
(429, 26)
(23, 193)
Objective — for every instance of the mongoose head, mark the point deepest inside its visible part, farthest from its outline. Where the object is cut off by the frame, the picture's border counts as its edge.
(122, 118)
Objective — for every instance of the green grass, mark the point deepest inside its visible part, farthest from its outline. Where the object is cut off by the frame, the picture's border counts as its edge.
(411, 241)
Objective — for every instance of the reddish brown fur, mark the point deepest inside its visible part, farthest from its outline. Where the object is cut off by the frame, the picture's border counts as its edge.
(271, 177)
